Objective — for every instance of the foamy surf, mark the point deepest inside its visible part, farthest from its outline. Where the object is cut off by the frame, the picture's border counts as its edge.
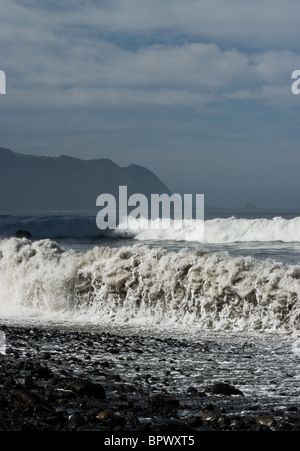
(218, 230)
(148, 286)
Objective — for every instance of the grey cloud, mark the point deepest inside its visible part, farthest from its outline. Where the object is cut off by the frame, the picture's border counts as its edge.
(194, 87)
(186, 75)
(53, 53)
(254, 23)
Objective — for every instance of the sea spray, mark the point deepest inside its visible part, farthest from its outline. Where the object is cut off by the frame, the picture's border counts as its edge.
(37, 277)
(146, 286)
(221, 230)
(218, 230)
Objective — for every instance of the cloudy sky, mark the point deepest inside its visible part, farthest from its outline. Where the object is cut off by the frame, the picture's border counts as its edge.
(199, 91)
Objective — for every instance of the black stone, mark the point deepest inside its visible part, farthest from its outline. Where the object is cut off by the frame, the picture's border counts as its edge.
(221, 388)
(86, 387)
(23, 234)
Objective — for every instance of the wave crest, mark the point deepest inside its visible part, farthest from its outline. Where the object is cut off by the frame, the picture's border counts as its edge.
(218, 230)
(149, 286)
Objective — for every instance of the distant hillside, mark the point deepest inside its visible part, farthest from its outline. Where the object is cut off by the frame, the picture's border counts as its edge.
(30, 182)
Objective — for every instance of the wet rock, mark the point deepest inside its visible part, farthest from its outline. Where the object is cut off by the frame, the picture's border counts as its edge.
(221, 388)
(25, 364)
(23, 234)
(74, 422)
(195, 422)
(86, 387)
(218, 420)
(134, 423)
(266, 420)
(117, 422)
(41, 372)
(161, 404)
(237, 423)
(115, 377)
(47, 384)
(24, 399)
(192, 391)
(112, 420)
(25, 381)
(288, 423)
(105, 364)
(64, 394)
(3, 400)
(114, 351)
(104, 415)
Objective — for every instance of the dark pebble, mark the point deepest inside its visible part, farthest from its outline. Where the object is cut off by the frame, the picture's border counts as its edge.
(52, 380)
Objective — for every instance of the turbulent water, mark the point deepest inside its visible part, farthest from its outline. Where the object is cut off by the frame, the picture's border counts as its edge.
(216, 230)
(243, 274)
(231, 298)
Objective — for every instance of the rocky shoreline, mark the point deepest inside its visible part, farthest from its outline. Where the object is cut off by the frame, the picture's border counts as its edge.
(60, 380)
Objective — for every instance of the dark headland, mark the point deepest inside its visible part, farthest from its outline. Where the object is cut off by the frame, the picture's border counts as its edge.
(29, 182)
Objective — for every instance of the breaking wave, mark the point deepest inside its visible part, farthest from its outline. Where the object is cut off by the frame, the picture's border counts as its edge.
(219, 230)
(144, 285)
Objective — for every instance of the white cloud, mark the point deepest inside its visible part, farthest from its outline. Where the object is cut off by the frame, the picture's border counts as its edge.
(49, 50)
(255, 22)
(89, 72)
(62, 59)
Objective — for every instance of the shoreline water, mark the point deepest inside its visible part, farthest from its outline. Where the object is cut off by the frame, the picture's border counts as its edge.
(120, 319)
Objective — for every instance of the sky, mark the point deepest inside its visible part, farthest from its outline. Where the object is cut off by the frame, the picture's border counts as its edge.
(198, 91)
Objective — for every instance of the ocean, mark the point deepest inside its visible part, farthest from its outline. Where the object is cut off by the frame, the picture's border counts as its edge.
(242, 274)
(237, 287)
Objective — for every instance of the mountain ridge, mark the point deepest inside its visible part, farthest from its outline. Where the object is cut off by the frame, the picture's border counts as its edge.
(31, 182)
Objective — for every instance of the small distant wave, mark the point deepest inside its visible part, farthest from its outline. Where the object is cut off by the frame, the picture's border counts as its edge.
(218, 231)
(148, 285)
(50, 226)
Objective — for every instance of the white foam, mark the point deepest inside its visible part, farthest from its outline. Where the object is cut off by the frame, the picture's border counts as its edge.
(219, 230)
(296, 347)
(2, 342)
(148, 286)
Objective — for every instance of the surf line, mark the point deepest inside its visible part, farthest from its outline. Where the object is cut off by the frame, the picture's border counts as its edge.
(164, 211)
